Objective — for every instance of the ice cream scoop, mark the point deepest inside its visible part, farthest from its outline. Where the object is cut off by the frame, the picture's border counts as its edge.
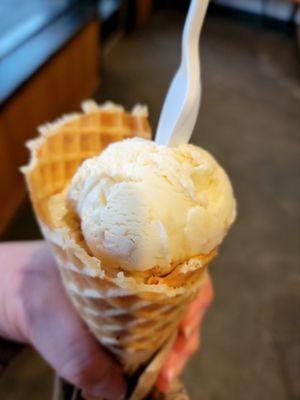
(144, 206)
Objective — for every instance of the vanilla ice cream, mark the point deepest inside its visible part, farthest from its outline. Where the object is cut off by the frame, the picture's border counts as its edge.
(142, 205)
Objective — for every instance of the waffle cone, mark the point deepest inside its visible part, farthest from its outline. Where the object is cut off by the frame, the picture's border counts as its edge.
(132, 315)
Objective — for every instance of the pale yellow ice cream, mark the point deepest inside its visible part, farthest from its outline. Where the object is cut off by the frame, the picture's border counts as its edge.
(143, 206)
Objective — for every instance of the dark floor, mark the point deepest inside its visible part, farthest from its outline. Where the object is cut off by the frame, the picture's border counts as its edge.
(250, 120)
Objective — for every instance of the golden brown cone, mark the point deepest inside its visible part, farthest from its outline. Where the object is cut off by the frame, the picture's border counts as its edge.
(132, 316)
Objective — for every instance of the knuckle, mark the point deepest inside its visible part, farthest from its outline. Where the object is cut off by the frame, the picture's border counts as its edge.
(74, 363)
(75, 370)
(72, 370)
(80, 367)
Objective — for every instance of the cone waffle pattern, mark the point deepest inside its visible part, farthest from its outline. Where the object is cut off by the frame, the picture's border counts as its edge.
(129, 326)
(131, 321)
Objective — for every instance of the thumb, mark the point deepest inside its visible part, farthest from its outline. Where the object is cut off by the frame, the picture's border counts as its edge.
(89, 367)
(56, 331)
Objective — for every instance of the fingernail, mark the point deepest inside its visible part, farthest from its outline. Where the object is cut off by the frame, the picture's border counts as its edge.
(170, 375)
(187, 330)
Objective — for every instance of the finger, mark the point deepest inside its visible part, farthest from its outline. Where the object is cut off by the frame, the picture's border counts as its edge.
(199, 305)
(189, 327)
(60, 336)
(192, 344)
(180, 342)
(202, 301)
(164, 381)
(163, 384)
(187, 341)
(177, 360)
(165, 376)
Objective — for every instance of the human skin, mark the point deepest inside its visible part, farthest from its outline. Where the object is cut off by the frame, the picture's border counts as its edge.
(35, 309)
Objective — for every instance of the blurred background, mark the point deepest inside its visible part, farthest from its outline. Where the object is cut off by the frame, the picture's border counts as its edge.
(55, 53)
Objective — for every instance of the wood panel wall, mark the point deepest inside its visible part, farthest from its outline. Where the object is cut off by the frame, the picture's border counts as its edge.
(58, 87)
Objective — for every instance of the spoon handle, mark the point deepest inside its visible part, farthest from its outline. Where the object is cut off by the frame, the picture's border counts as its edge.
(193, 25)
(181, 105)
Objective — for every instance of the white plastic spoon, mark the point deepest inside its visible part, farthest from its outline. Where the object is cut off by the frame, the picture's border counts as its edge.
(181, 106)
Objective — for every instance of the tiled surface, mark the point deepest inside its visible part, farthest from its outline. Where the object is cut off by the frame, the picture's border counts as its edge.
(250, 121)
(28, 378)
